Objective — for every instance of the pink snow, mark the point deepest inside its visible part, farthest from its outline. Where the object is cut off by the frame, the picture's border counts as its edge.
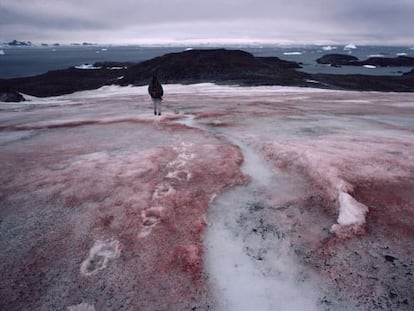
(105, 206)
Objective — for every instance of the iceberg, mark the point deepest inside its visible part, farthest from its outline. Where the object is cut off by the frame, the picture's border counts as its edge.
(2, 52)
(350, 47)
(370, 66)
(328, 48)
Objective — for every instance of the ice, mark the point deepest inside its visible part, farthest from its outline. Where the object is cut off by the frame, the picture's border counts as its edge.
(370, 66)
(87, 66)
(292, 53)
(81, 307)
(2, 52)
(401, 54)
(237, 198)
(350, 47)
(351, 212)
(100, 254)
(329, 48)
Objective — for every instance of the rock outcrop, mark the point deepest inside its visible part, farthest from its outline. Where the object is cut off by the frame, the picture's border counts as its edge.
(349, 60)
(11, 96)
(337, 59)
(218, 65)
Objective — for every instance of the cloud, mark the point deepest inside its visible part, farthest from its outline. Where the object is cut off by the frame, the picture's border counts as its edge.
(304, 21)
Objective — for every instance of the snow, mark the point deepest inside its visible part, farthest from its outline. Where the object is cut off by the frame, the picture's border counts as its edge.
(237, 198)
(87, 66)
(100, 254)
(81, 307)
(292, 53)
(2, 52)
(376, 55)
(351, 212)
(401, 54)
(329, 48)
(370, 66)
(350, 47)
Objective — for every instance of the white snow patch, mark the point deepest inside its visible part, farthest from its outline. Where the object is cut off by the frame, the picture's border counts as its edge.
(376, 55)
(329, 48)
(188, 49)
(292, 53)
(370, 66)
(401, 54)
(81, 307)
(99, 256)
(104, 49)
(87, 66)
(350, 47)
(311, 81)
(351, 212)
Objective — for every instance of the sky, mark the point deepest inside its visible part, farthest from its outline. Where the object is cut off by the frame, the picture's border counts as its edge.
(384, 22)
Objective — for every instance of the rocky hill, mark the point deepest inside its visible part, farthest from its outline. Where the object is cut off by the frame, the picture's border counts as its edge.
(195, 66)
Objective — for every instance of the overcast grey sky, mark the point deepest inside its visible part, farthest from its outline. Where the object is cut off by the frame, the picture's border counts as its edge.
(185, 21)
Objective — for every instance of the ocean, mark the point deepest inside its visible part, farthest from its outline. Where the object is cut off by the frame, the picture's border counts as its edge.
(28, 61)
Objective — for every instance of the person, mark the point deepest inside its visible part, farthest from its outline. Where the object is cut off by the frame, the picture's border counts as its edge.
(156, 92)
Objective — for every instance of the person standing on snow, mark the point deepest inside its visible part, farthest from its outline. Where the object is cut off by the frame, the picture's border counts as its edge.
(156, 92)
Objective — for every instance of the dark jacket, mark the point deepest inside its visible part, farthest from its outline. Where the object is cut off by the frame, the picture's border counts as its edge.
(155, 88)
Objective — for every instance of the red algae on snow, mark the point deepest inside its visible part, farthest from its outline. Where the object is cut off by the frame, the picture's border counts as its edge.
(106, 207)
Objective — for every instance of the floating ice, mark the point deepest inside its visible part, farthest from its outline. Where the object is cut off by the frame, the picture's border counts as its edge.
(292, 53)
(370, 66)
(401, 54)
(329, 48)
(2, 52)
(350, 47)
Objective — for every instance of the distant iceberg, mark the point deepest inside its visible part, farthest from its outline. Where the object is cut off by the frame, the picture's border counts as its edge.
(87, 66)
(2, 52)
(292, 53)
(350, 47)
(328, 48)
(401, 54)
(370, 66)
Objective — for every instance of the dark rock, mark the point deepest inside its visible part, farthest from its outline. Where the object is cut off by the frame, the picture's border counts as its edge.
(366, 82)
(400, 61)
(337, 59)
(349, 60)
(219, 65)
(410, 73)
(19, 43)
(113, 64)
(390, 258)
(11, 96)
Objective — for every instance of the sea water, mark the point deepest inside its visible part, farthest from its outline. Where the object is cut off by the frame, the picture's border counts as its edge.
(33, 60)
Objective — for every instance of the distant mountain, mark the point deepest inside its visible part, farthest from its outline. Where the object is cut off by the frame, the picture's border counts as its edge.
(19, 43)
